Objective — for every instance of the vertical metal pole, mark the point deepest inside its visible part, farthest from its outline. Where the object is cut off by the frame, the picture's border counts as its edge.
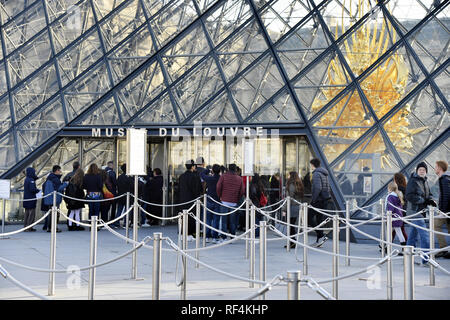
(293, 292)
(165, 183)
(51, 281)
(92, 257)
(156, 265)
(3, 218)
(305, 237)
(252, 245)
(347, 232)
(335, 258)
(247, 212)
(184, 247)
(262, 253)
(205, 210)
(127, 217)
(431, 215)
(197, 230)
(382, 227)
(390, 288)
(288, 221)
(408, 271)
(135, 229)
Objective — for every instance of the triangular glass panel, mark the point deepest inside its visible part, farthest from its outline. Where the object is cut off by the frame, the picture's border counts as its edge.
(102, 8)
(159, 112)
(441, 79)
(241, 50)
(409, 13)
(104, 114)
(7, 151)
(366, 169)
(422, 119)
(236, 11)
(280, 16)
(391, 80)
(199, 85)
(282, 110)
(321, 84)
(342, 124)
(220, 110)
(170, 21)
(302, 46)
(141, 90)
(256, 86)
(185, 53)
(5, 114)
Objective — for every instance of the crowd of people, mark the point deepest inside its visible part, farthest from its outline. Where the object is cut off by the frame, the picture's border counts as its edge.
(226, 188)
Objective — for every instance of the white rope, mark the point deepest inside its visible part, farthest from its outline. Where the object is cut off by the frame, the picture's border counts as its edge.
(311, 283)
(426, 257)
(157, 217)
(267, 287)
(426, 229)
(91, 200)
(224, 214)
(28, 227)
(168, 205)
(32, 199)
(274, 210)
(10, 278)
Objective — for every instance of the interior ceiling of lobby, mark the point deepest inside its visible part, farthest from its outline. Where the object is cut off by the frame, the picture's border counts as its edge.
(364, 78)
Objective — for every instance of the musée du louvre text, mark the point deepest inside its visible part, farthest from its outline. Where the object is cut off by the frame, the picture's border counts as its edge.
(197, 131)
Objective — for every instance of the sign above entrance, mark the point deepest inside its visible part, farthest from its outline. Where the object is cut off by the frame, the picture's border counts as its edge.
(136, 152)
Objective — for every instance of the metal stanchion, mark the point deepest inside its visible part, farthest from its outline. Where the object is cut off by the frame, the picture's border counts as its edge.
(382, 227)
(247, 212)
(335, 258)
(408, 271)
(431, 211)
(347, 232)
(293, 286)
(135, 229)
(127, 219)
(288, 221)
(51, 280)
(3, 218)
(184, 246)
(197, 231)
(305, 237)
(156, 264)
(262, 253)
(92, 257)
(252, 246)
(205, 210)
(389, 251)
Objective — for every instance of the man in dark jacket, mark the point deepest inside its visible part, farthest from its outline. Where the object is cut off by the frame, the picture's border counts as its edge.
(53, 183)
(444, 205)
(419, 197)
(320, 198)
(75, 166)
(113, 179)
(190, 189)
(230, 188)
(30, 191)
(124, 184)
(154, 191)
(211, 189)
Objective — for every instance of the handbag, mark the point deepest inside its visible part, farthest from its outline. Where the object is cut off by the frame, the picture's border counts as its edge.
(263, 200)
(106, 193)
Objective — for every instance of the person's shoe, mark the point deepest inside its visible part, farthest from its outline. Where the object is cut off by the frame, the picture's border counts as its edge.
(190, 238)
(145, 225)
(79, 228)
(440, 254)
(208, 240)
(71, 228)
(44, 228)
(447, 255)
(292, 245)
(32, 230)
(58, 230)
(215, 241)
(319, 242)
(422, 264)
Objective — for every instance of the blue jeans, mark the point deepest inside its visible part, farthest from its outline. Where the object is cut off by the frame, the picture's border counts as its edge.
(120, 210)
(229, 221)
(423, 236)
(94, 207)
(212, 219)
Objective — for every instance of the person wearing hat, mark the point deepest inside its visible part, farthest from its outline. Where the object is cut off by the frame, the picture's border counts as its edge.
(190, 188)
(419, 197)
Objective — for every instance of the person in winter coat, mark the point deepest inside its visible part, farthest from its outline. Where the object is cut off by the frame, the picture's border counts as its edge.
(295, 190)
(444, 205)
(400, 180)
(155, 195)
(190, 188)
(30, 191)
(53, 183)
(75, 166)
(124, 184)
(93, 184)
(255, 193)
(211, 190)
(419, 197)
(320, 198)
(230, 189)
(75, 190)
(394, 202)
(113, 179)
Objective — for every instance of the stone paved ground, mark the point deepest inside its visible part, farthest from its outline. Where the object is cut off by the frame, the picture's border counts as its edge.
(113, 282)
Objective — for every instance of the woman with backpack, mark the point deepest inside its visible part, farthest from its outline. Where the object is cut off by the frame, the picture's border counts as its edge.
(108, 193)
(295, 190)
(75, 190)
(93, 184)
(258, 198)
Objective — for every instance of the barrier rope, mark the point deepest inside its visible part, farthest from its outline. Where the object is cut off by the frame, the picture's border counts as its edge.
(311, 283)
(5, 274)
(426, 257)
(92, 200)
(168, 205)
(28, 227)
(426, 229)
(157, 217)
(274, 282)
(224, 214)
(31, 199)
(271, 211)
